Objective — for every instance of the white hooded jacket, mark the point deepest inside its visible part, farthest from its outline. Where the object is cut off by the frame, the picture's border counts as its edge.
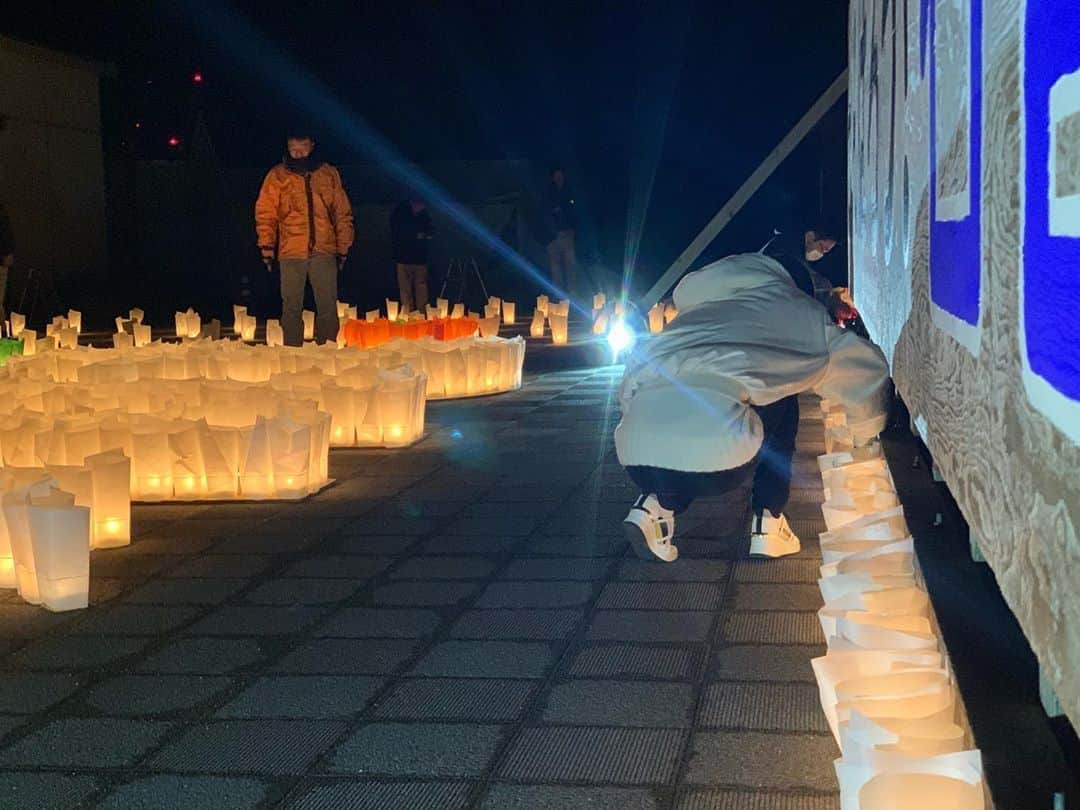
(745, 335)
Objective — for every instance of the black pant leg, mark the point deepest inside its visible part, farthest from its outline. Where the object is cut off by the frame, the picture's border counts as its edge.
(772, 481)
(677, 489)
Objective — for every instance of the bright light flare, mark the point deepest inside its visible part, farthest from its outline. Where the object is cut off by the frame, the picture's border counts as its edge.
(620, 337)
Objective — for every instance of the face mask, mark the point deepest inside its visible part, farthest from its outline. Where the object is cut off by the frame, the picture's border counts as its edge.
(814, 255)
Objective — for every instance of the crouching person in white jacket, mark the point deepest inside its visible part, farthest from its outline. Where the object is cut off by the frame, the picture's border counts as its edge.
(710, 404)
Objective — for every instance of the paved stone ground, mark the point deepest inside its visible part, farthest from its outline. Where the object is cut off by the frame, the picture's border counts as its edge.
(457, 625)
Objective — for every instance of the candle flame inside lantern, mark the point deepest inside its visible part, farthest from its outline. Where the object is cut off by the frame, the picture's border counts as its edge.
(395, 431)
(112, 525)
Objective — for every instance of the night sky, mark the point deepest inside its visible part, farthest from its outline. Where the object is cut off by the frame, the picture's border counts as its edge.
(657, 106)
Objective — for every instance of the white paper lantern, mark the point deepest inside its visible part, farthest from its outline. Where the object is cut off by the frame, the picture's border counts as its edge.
(110, 475)
(536, 328)
(559, 329)
(275, 335)
(141, 335)
(308, 318)
(60, 534)
(392, 308)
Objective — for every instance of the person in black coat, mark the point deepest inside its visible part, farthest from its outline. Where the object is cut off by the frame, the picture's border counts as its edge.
(410, 234)
(560, 221)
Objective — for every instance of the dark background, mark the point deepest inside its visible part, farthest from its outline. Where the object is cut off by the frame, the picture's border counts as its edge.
(657, 110)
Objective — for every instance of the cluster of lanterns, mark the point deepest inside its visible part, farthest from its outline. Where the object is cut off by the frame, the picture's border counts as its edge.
(554, 315)
(87, 430)
(885, 686)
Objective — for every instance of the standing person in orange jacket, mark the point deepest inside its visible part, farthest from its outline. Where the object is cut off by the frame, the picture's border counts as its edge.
(303, 211)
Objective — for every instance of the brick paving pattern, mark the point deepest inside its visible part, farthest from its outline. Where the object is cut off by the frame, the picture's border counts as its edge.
(456, 625)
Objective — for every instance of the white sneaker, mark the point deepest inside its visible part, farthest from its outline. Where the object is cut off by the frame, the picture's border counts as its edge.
(771, 536)
(650, 527)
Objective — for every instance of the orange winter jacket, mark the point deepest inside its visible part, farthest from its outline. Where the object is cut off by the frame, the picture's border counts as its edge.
(303, 214)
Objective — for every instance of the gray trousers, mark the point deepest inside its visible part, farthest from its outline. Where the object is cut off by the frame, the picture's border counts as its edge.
(321, 270)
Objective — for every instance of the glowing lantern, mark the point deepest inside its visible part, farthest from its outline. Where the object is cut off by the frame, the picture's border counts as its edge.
(371, 315)
(238, 318)
(432, 313)
(275, 335)
(17, 322)
(536, 328)
(151, 463)
(489, 326)
(110, 475)
(542, 303)
(68, 337)
(509, 309)
(60, 534)
(136, 315)
(559, 329)
(443, 307)
(670, 313)
(290, 448)
(16, 503)
(140, 335)
(458, 311)
(887, 780)
(122, 340)
(598, 302)
(495, 303)
(74, 318)
(308, 318)
(342, 309)
(392, 308)
(247, 327)
(257, 470)
(848, 665)
(29, 342)
(600, 325)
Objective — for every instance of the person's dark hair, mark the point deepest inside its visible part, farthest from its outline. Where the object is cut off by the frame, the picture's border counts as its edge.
(299, 134)
(824, 230)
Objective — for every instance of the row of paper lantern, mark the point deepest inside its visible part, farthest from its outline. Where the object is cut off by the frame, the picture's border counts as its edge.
(885, 687)
(605, 313)
(57, 401)
(457, 364)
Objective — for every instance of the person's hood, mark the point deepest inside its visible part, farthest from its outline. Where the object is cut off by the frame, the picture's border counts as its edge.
(724, 279)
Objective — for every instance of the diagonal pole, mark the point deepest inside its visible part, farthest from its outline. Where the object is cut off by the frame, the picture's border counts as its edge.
(747, 190)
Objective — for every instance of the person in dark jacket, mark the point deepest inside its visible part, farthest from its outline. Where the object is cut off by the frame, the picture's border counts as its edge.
(410, 232)
(561, 223)
(7, 257)
(796, 249)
